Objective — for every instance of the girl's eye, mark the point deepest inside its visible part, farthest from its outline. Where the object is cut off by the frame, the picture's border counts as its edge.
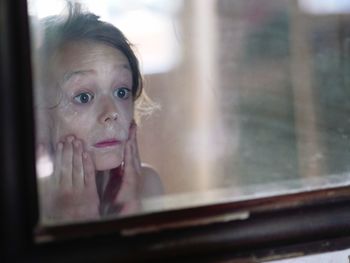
(83, 98)
(122, 93)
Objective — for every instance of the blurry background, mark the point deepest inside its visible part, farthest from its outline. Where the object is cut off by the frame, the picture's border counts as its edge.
(251, 91)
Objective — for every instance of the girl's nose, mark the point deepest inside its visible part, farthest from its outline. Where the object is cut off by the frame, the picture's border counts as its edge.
(109, 111)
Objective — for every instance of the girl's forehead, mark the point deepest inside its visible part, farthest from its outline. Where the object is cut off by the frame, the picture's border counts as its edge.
(80, 52)
(87, 56)
(88, 62)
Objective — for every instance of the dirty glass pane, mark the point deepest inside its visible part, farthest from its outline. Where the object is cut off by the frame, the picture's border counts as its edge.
(249, 98)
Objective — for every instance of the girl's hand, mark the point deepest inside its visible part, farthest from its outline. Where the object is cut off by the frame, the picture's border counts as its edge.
(130, 190)
(71, 193)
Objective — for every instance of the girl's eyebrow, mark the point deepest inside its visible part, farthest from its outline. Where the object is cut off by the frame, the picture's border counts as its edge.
(68, 75)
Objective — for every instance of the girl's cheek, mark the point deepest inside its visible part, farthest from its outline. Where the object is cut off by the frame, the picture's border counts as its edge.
(68, 121)
(130, 110)
(74, 112)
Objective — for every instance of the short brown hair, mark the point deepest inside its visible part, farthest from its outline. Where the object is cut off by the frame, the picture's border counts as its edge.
(80, 26)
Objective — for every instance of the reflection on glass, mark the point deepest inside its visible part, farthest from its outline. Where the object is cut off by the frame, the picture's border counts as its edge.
(250, 98)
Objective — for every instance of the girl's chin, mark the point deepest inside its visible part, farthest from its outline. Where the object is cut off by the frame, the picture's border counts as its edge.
(106, 163)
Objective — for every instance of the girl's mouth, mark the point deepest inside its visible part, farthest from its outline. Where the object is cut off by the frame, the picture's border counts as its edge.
(107, 143)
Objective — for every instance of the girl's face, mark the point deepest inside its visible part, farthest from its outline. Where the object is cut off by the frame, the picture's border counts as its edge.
(95, 102)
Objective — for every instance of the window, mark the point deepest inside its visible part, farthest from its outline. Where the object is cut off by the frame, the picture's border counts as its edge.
(250, 138)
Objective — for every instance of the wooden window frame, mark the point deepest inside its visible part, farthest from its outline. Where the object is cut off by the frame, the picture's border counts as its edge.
(274, 227)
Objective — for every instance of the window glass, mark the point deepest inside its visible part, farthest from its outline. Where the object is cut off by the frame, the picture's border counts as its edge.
(245, 99)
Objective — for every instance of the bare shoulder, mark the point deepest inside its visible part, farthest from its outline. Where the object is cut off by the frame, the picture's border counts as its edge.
(151, 183)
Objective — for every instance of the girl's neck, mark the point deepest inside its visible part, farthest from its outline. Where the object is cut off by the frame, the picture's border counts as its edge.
(102, 178)
(108, 185)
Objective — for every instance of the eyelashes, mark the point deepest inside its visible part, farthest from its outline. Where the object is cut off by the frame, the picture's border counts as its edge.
(122, 93)
(83, 98)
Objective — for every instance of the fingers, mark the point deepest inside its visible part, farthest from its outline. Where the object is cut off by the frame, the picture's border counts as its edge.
(132, 170)
(73, 166)
(72, 191)
(129, 164)
(78, 170)
(135, 148)
(89, 170)
(66, 180)
(132, 151)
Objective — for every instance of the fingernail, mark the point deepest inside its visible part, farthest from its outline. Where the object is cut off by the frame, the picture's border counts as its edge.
(85, 155)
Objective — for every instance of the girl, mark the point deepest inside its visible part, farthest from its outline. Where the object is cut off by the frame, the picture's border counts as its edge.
(91, 79)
